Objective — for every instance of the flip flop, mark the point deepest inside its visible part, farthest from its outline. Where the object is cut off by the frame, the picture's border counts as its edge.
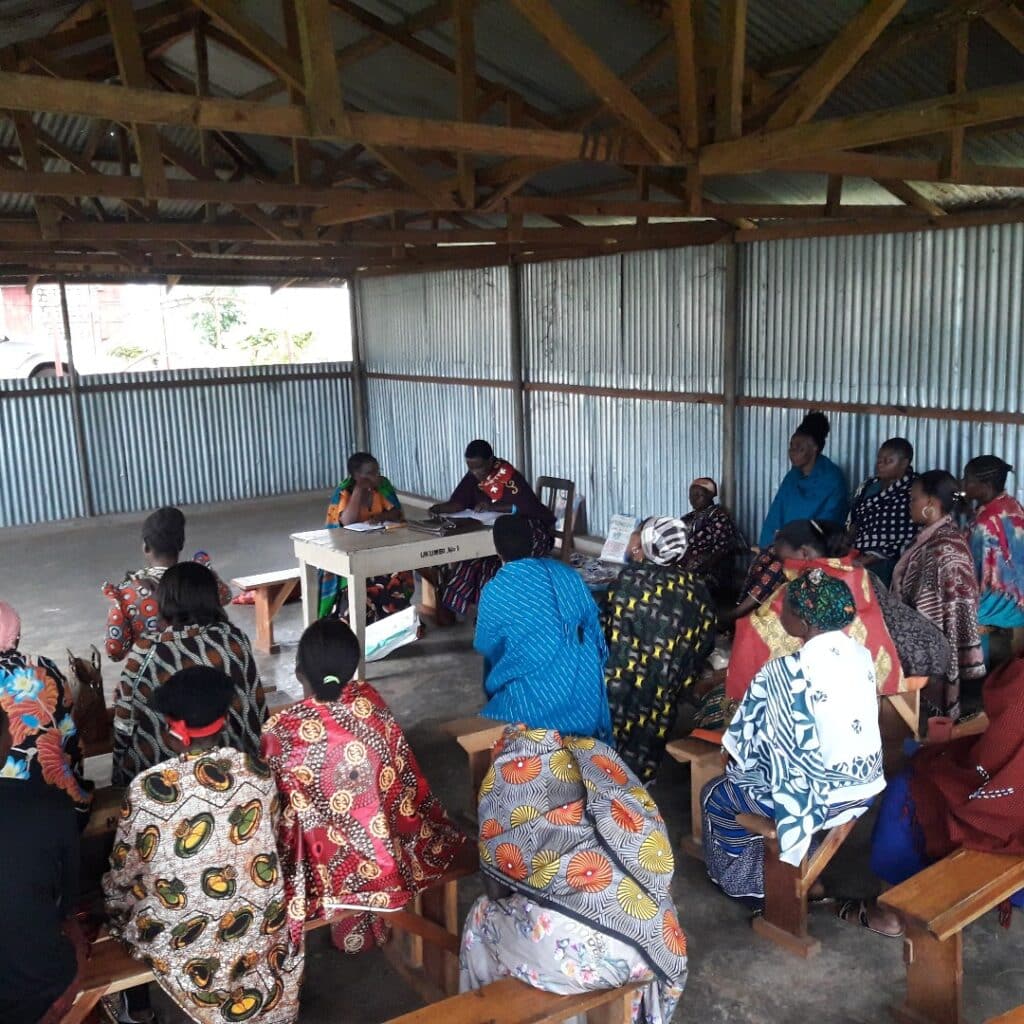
(847, 908)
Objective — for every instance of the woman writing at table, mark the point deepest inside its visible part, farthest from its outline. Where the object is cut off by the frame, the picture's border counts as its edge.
(364, 496)
(490, 485)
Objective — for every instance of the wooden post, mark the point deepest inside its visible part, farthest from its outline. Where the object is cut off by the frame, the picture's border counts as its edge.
(76, 410)
(730, 374)
(359, 411)
(519, 417)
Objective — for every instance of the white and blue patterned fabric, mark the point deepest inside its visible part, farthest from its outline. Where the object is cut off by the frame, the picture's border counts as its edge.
(544, 650)
(805, 740)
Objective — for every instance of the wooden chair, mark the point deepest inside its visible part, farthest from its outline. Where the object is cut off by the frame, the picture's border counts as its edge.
(510, 1001)
(935, 906)
(271, 590)
(704, 756)
(786, 887)
(424, 948)
(548, 490)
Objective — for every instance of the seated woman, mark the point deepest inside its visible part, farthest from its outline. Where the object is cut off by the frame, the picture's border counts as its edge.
(42, 950)
(712, 538)
(936, 577)
(968, 792)
(544, 652)
(804, 748)
(814, 488)
(896, 635)
(997, 543)
(490, 485)
(135, 609)
(879, 526)
(194, 887)
(360, 826)
(659, 623)
(196, 632)
(34, 696)
(364, 496)
(577, 868)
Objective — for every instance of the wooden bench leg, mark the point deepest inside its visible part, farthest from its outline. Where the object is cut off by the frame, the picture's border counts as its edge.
(440, 904)
(785, 905)
(265, 623)
(702, 771)
(619, 1011)
(935, 978)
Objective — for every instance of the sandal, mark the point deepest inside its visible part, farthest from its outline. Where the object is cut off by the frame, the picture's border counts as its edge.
(847, 908)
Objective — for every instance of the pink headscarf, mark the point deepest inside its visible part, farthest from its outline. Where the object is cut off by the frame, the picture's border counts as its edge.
(10, 627)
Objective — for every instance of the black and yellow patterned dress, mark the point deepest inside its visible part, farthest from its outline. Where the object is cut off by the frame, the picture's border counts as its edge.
(659, 622)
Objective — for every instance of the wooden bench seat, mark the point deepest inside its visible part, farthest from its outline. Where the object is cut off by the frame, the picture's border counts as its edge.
(476, 735)
(510, 1001)
(935, 906)
(271, 590)
(1011, 1017)
(424, 948)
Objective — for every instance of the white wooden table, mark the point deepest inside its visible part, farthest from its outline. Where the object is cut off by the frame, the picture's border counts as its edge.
(361, 556)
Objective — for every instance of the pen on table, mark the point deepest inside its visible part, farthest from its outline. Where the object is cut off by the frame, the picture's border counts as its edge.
(394, 526)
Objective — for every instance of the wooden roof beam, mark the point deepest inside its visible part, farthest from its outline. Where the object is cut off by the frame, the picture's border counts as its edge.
(911, 197)
(465, 93)
(323, 93)
(604, 82)
(929, 117)
(732, 61)
(687, 73)
(132, 69)
(258, 42)
(123, 103)
(1009, 23)
(953, 150)
(815, 85)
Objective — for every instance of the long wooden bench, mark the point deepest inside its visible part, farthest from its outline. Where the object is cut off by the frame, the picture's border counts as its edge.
(935, 907)
(424, 948)
(510, 1001)
(704, 756)
(271, 590)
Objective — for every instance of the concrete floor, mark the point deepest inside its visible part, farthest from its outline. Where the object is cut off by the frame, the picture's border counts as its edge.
(52, 575)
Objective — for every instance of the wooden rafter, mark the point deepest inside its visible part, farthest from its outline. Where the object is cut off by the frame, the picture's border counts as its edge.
(46, 212)
(465, 85)
(815, 85)
(953, 153)
(687, 72)
(1009, 23)
(323, 93)
(600, 78)
(132, 68)
(731, 65)
(906, 193)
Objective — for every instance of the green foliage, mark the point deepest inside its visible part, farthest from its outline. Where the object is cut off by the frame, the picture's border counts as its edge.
(127, 352)
(218, 312)
(269, 345)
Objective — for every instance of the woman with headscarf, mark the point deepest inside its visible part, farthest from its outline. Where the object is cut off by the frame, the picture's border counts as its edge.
(577, 868)
(804, 748)
(196, 632)
(364, 496)
(135, 611)
(34, 695)
(815, 487)
(936, 577)
(879, 525)
(659, 622)
(539, 632)
(194, 886)
(712, 538)
(490, 485)
(997, 544)
(360, 827)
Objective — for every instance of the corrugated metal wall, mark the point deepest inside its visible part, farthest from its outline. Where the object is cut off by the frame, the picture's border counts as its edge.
(932, 320)
(925, 321)
(178, 437)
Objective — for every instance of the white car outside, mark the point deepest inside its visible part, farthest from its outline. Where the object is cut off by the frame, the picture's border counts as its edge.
(24, 358)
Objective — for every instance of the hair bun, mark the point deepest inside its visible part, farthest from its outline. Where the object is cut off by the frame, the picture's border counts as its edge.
(815, 425)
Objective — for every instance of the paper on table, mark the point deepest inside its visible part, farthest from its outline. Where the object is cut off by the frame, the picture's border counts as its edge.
(364, 527)
(487, 518)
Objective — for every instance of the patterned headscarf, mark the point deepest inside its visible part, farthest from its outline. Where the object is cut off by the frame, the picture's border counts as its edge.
(708, 484)
(821, 600)
(10, 627)
(663, 540)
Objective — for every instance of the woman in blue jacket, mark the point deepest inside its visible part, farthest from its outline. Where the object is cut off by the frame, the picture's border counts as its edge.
(815, 488)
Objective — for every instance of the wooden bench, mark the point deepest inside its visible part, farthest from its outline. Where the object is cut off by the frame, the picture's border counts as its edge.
(705, 760)
(510, 1001)
(424, 948)
(476, 736)
(271, 590)
(1010, 1017)
(104, 811)
(786, 887)
(935, 907)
